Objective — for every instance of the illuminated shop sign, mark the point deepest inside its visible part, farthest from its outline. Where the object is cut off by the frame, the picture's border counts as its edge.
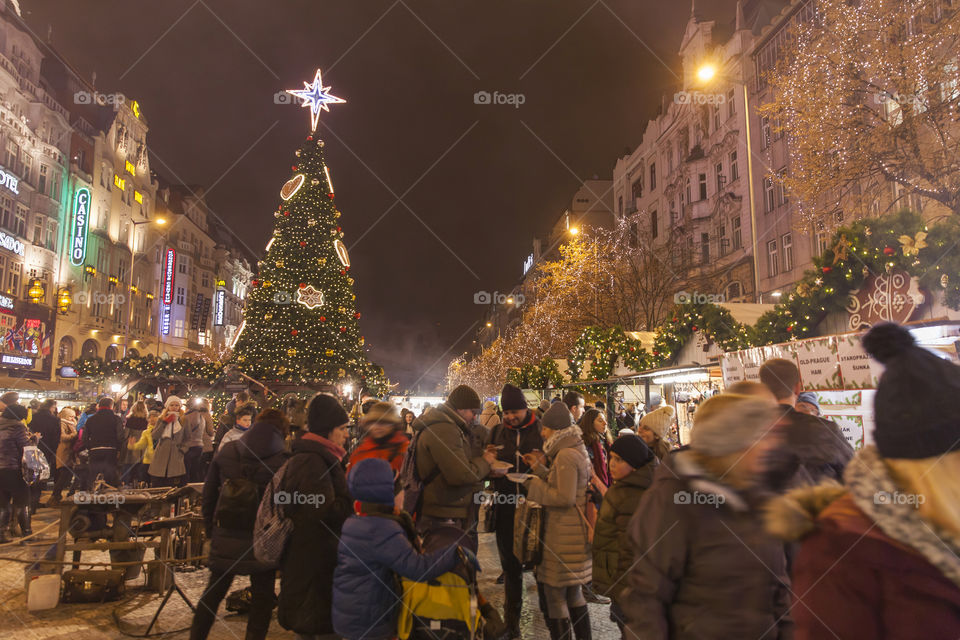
(18, 361)
(165, 320)
(6, 303)
(218, 300)
(78, 232)
(528, 264)
(168, 275)
(10, 243)
(9, 181)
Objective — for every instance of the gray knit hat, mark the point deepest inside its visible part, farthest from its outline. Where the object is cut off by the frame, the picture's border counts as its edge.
(557, 417)
(729, 422)
(10, 397)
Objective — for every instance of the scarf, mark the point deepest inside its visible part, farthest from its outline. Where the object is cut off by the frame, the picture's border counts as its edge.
(556, 441)
(338, 451)
(390, 449)
(388, 511)
(529, 421)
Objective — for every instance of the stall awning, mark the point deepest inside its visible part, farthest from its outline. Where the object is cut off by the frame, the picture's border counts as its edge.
(29, 384)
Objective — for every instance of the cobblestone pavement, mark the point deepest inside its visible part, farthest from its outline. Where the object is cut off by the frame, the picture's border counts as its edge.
(133, 612)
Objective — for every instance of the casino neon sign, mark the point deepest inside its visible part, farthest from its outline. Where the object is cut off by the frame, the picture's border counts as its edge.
(78, 233)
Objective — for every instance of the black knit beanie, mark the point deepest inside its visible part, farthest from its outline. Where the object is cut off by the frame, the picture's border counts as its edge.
(918, 399)
(325, 414)
(633, 450)
(463, 397)
(511, 398)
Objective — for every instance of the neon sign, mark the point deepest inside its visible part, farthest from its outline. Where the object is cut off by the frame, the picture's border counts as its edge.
(78, 243)
(218, 300)
(168, 275)
(9, 181)
(10, 243)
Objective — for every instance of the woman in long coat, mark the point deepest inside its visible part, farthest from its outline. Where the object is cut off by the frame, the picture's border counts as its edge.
(167, 468)
(567, 558)
(65, 457)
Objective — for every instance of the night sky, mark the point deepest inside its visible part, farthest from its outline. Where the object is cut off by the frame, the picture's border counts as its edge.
(475, 182)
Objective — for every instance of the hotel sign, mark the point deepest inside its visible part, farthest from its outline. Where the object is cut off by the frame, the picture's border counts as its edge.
(9, 181)
(78, 232)
(11, 244)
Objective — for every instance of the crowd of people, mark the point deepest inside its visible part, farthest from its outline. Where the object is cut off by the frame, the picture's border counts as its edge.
(766, 524)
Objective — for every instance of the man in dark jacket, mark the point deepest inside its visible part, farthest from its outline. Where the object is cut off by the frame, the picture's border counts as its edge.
(46, 424)
(238, 475)
(518, 434)
(814, 449)
(451, 475)
(102, 435)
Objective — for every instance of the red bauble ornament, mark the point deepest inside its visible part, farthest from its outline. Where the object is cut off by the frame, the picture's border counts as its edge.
(293, 332)
(674, 320)
(343, 329)
(303, 243)
(339, 229)
(309, 137)
(889, 251)
(286, 213)
(357, 315)
(694, 327)
(342, 272)
(790, 328)
(827, 269)
(303, 285)
(255, 283)
(323, 318)
(294, 167)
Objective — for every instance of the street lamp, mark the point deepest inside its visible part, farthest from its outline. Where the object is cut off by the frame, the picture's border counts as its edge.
(705, 74)
(133, 261)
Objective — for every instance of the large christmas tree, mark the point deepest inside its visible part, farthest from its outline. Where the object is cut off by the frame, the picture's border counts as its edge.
(300, 322)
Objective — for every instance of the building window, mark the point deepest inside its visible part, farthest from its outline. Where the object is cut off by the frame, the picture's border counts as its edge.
(90, 349)
(51, 243)
(6, 213)
(686, 192)
(786, 247)
(205, 278)
(731, 103)
(723, 240)
(636, 188)
(634, 234)
(782, 197)
(737, 242)
(620, 206)
(27, 165)
(42, 180)
(13, 154)
(111, 354)
(765, 132)
(734, 291)
(704, 248)
(178, 328)
(653, 224)
(773, 262)
(38, 230)
(702, 179)
(734, 170)
(716, 117)
(653, 176)
(718, 170)
(181, 295)
(13, 281)
(769, 202)
(65, 351)
(20, 223)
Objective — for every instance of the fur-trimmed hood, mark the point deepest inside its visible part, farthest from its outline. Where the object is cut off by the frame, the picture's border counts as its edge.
(870, 491)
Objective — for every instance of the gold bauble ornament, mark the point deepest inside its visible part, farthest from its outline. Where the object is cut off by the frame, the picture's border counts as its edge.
(267, 283)
(291, 352)
(280, 264)
(342, 309)
(311, 222)
(268, 317)
(329, 352)
(321, 261)
(944, 281)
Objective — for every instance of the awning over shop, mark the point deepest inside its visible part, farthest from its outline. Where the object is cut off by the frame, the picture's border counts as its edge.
(29, 384)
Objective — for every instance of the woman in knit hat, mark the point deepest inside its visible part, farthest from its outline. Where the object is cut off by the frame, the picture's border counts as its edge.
(654, 427)
(880, 556)
(705, 566)
(384, 439)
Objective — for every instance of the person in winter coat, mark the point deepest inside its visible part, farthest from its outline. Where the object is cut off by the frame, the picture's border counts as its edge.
(378, 542)
(144, 444)
(243, 418)
(561, 490)
(879, 557)
(384, 439)
(14, 492)
(631, 467)
(246, 465)
(46, 426)
(814, 449)
(452, 475)
(314, 470)
(406, 419)
(705, 567)
(130, 459)
(489, 416)
(227, 419)
(195, 423)
(102, 437)
(64, 473)
(653, 428)
(517, 435)
(167, 468)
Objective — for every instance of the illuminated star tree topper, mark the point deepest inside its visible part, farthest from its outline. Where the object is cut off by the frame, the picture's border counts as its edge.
(316, 97)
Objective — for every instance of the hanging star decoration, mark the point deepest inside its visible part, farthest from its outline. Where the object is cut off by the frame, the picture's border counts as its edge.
(842, 249)
(912, 246)
(310, 297)
(315, 97)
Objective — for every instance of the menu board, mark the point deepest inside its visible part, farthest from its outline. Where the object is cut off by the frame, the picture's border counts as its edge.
(851, 425)
(752, 359)
(732, 368)
(860, 371)
(818, 363)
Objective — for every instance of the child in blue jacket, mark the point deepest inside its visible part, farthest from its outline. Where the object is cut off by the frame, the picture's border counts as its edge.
(376, 543)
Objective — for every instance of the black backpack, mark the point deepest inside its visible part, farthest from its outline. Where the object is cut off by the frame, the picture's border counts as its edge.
(239, 500)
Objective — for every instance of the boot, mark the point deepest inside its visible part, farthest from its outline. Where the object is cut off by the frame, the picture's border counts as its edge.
(4, 524)
(559, 628)
(581, 623)
(23, 518)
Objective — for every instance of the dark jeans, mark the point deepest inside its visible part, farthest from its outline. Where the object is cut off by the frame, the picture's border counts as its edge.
(64, 479)
(512, 568)
(104, 462)
(193, 463)
(13, 489)
(261, 604)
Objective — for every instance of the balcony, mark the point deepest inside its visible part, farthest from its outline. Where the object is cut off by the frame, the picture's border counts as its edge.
(699, 209)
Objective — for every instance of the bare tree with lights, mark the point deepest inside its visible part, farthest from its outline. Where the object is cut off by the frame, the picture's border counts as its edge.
(867, 94)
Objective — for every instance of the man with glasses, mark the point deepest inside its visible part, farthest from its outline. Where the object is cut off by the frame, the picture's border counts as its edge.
(451, 475)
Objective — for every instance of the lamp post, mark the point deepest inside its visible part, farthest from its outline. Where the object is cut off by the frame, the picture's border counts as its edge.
(706, 73)
(133, 261)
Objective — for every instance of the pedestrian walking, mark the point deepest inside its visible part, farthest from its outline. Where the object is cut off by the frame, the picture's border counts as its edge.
(64, 473)
(167, 468)
(563, 471)
(14, 492)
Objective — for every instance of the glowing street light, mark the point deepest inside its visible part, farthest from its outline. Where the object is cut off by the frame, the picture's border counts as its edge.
(706, 73)
(574, 231)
